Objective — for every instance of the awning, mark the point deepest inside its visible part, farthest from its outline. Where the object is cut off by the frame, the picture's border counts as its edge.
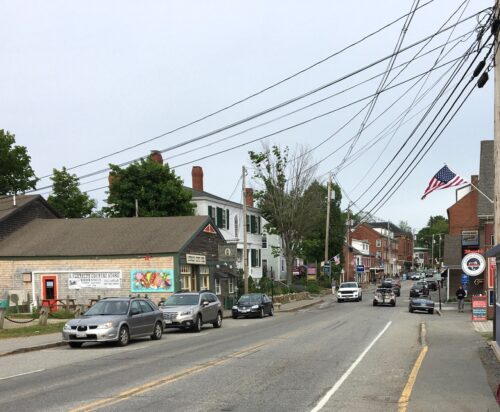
(224, 275)
(493, 252)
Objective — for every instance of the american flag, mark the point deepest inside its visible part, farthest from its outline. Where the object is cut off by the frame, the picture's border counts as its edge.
(336, 259)
(443, 179)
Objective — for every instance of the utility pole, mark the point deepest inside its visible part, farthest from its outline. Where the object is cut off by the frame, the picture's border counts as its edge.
(432, 252)
(347, 241)
(327, 229)
(497, 159)
(245, 251)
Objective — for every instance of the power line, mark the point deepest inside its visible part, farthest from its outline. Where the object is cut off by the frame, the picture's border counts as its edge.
(248, 97)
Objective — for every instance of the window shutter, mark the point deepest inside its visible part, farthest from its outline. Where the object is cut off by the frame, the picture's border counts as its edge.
(219, 217)
(227, 219)
(253, 257)
(258, 225)
(248, 223)
(210, 211)
(253, 224)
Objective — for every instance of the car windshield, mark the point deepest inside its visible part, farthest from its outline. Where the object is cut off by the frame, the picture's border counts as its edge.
(421, 283)
(348, 285)
(249, 299)
(388, 280)
(181, 300)
(106, 307)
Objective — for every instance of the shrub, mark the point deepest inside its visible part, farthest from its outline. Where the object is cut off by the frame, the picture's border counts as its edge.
(313, 288)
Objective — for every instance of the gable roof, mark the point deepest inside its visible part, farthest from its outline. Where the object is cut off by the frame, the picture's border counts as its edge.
(197, 194)
(7, 207)
(103, 237)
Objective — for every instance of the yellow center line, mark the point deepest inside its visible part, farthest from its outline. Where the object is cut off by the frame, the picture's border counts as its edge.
(405, 396)
(163, 381)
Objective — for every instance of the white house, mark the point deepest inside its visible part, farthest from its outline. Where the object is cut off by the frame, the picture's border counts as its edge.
(228, 216)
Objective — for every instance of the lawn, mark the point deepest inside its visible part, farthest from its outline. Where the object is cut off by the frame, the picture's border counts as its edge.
(32, 330)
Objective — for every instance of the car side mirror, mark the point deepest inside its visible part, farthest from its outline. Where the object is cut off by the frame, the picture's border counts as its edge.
(134, 312)
(205, 303)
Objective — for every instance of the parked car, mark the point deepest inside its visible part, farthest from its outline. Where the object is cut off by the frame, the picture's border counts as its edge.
(191, 310)
(415, 276)
(421, 303)
(396, 285)
(253, 304)
(419, 288)
(349, 291)
(432, 284)
(384, 295)
(115, 320)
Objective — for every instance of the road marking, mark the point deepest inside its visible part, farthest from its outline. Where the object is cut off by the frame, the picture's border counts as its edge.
(22, 374)
(165, 380)
(346, 374)
(405, 396)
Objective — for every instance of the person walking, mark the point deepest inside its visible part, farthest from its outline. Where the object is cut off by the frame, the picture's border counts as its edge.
(334, 286)
(460, 293)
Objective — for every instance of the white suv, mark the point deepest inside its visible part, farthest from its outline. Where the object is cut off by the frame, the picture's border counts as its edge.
(349, 291)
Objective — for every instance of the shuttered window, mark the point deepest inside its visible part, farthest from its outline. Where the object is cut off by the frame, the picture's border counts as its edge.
(253, 224)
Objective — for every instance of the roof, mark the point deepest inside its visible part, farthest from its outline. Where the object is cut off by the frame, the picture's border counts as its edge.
(102, 237)
(197, 194)
(383, 225)
(7, 207)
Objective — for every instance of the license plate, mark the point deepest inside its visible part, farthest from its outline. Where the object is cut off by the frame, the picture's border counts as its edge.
(81, 335)
(168, 321)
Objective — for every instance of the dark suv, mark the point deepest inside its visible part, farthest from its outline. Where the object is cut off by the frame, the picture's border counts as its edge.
(190, 310)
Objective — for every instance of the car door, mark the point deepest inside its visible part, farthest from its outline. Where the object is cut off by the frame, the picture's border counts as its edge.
(148, 318)
(205, 309)
(135, 318)
(266, 303)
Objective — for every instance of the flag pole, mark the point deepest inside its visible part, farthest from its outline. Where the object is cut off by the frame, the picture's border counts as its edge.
(475, 187)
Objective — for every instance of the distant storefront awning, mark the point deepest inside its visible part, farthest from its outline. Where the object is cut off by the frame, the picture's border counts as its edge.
(494, 251)
(224, 275)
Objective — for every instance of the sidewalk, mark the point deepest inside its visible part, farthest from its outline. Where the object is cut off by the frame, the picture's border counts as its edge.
(453, 364)
(11, 346)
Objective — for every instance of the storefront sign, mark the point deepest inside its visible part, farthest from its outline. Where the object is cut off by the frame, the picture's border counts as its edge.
(152, 280)
(196, 259)
(95, 280)
(227, 253)
(473, 264)
(479, 308)
(492, 267)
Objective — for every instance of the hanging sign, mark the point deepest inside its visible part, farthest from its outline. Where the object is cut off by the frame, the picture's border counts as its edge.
(473, 264)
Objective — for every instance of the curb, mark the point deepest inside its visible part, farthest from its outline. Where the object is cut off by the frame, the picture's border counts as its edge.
(301, 307)
(33, 348)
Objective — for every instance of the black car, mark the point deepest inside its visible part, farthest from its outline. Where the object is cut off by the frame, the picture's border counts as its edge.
(418, 289)
(421, 303)
(253, 304)
(432, 284)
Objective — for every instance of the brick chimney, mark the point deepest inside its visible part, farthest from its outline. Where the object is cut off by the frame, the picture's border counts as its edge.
(156, 157)
(197, 178)
(474, 179)
(249, 196)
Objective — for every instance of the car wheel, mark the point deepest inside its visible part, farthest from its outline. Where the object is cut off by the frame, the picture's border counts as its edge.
(261, 313)
(410, 310)
(157, 331)
(235, 316)
(123, 336)
(361, 297)
(197, 324)
(218, 321)
(393, 303)
(339, 300)
(75, 344)
(271, 311)
(374, 303)
(431, 311)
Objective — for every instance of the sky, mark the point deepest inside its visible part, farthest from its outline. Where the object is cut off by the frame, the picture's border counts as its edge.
(82, 80)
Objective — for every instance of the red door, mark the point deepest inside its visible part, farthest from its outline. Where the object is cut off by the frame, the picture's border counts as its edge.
(49, 292)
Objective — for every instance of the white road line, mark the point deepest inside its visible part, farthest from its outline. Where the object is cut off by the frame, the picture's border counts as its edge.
(339, 383)
(22, 374)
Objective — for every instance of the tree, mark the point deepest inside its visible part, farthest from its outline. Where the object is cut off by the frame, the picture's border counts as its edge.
(158, 191)
(16, 174)
(405, 227)
(282, 199)
(313, 242)
(67, 198)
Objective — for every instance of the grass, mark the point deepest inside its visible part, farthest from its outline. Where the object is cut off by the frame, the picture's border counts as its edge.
(487, 335)
(32, 330)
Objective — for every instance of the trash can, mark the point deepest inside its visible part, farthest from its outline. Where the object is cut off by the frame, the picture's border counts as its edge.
(4, 303)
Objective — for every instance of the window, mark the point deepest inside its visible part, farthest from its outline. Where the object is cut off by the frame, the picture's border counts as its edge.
(217, 286)
(230, 282)
(185, 277)
(253, 224)
(255, 257)
(248, 223)
(378, 243)
(264, 241)
(204, 277)
(282, 265)
(211, 212)
(145, 306)
(236, 226)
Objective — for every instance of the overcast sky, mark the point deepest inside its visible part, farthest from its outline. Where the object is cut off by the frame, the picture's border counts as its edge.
(81, 80)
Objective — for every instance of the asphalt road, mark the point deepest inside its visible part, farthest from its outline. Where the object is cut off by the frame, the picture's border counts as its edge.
(332, 357)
